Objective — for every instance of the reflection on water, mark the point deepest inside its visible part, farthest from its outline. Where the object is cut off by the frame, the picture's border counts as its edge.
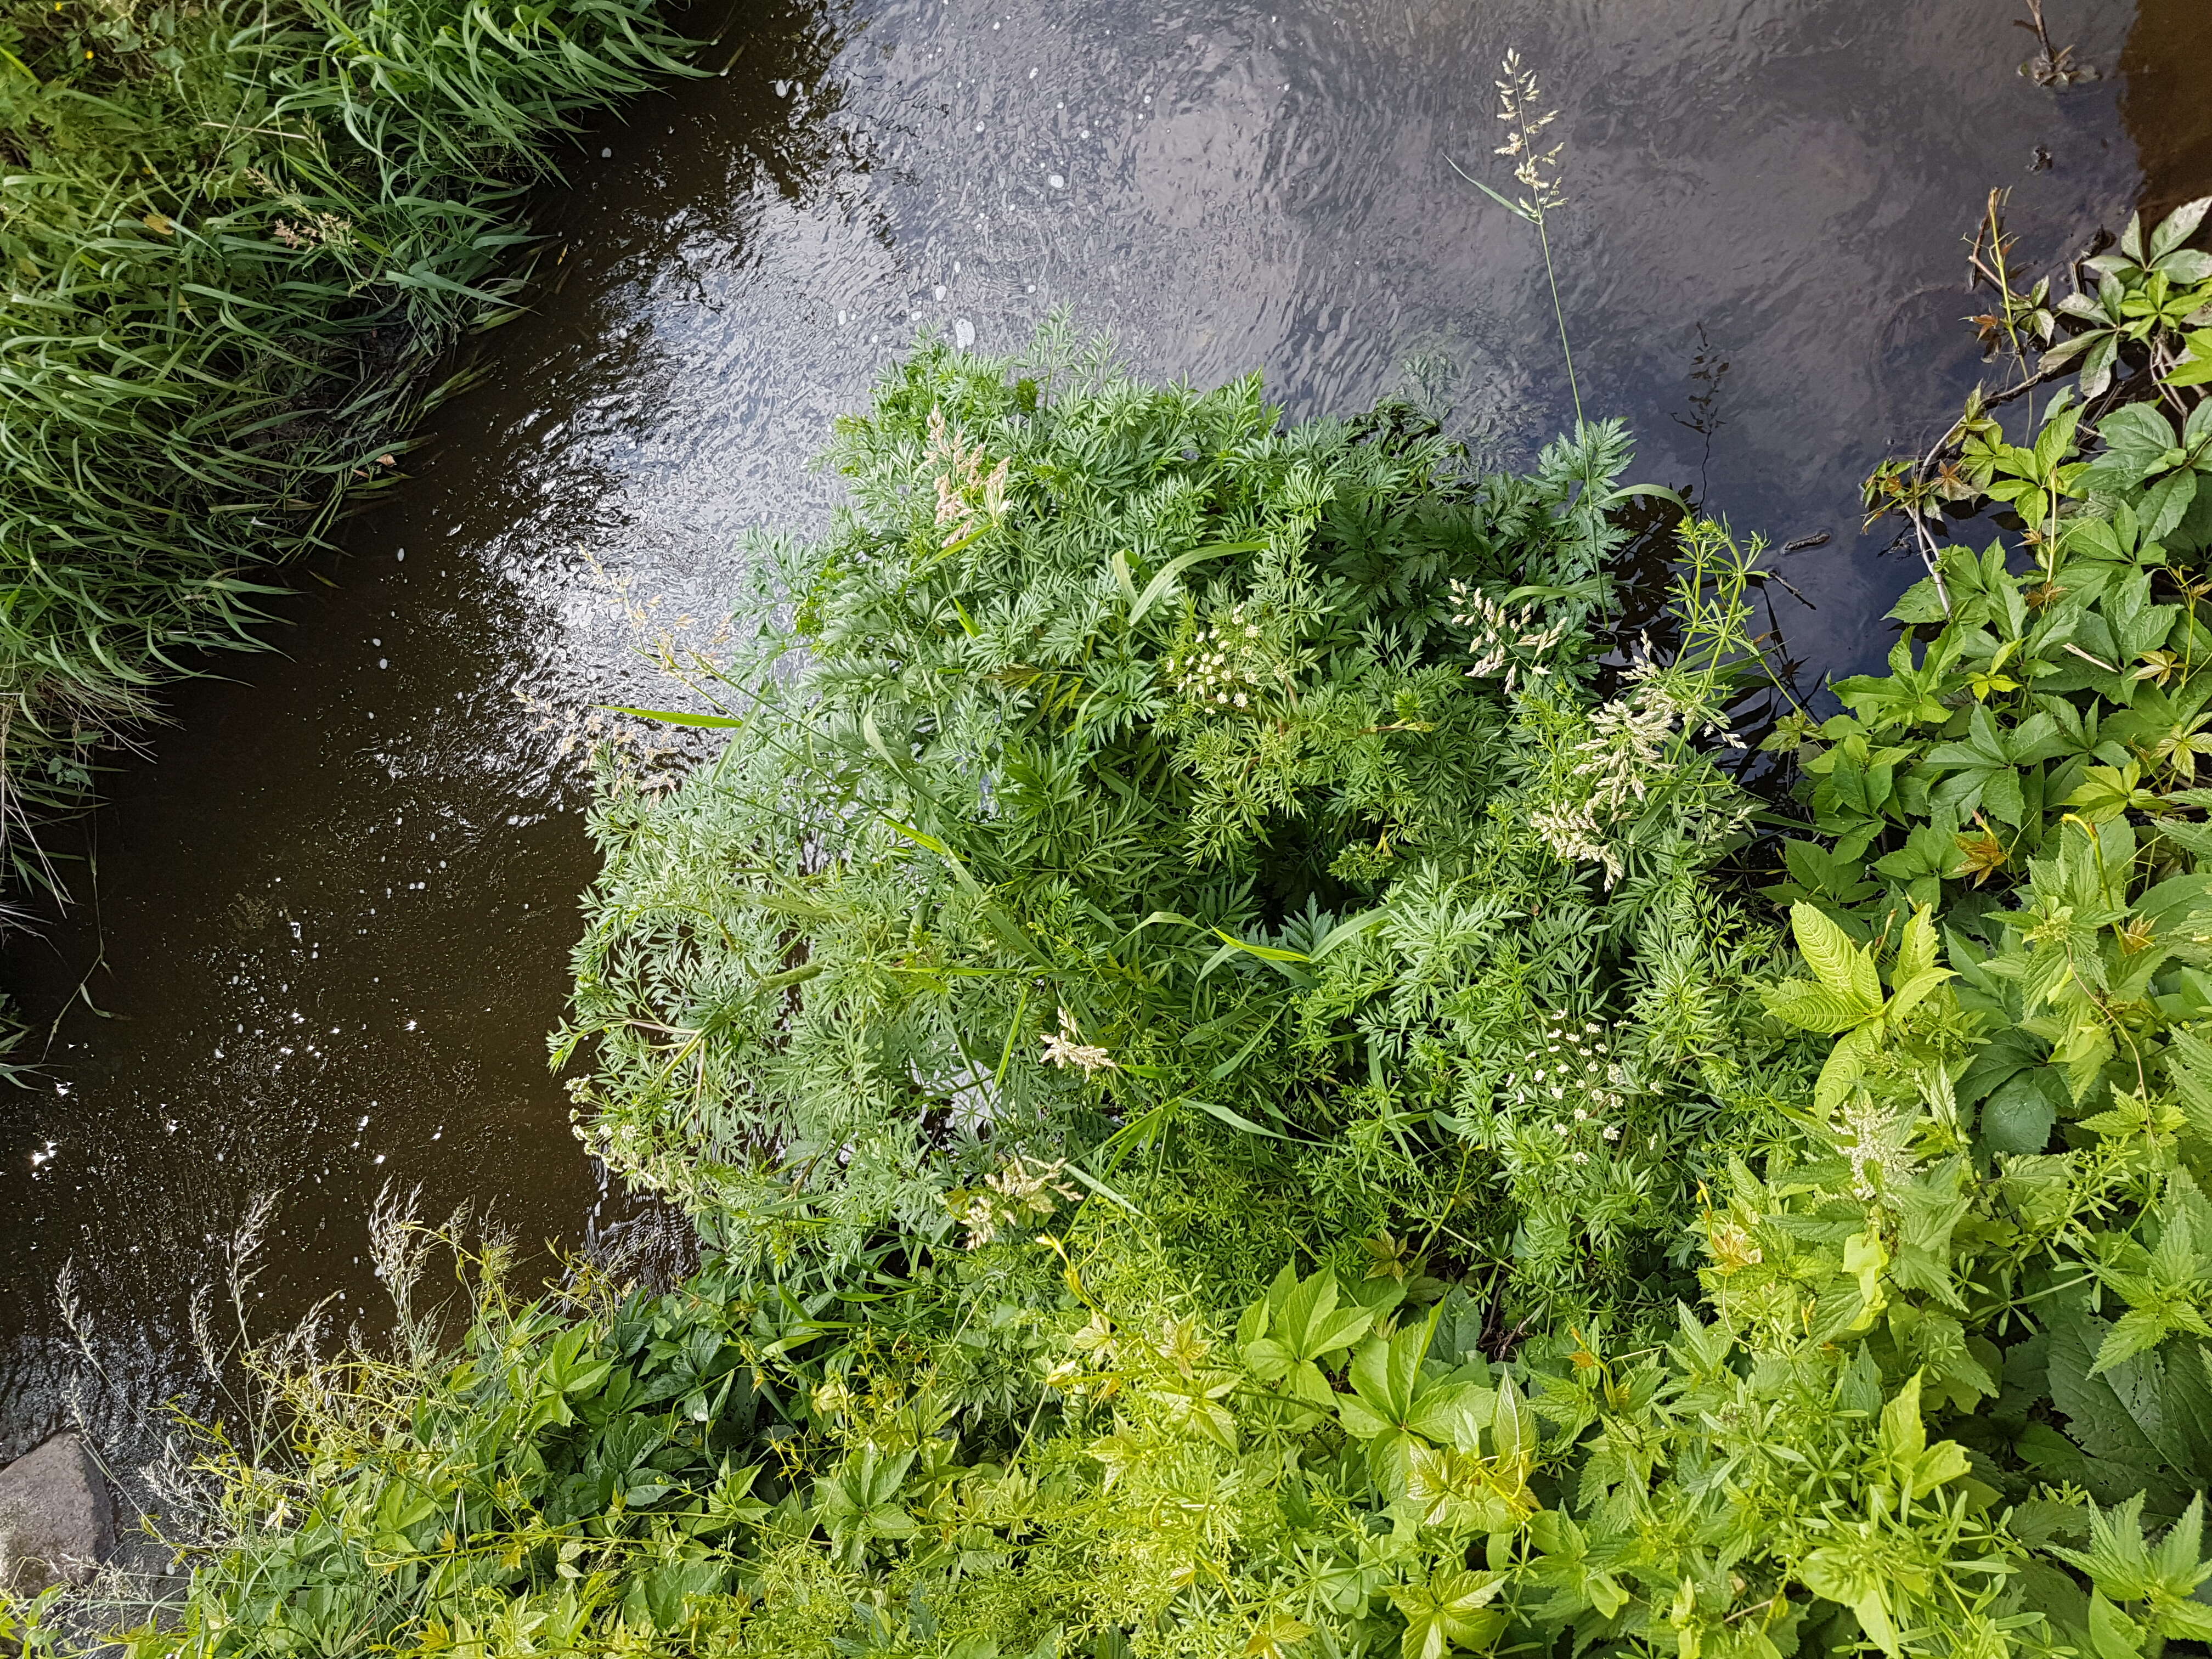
(326, 928)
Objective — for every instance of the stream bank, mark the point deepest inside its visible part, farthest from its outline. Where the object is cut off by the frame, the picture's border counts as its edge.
(342, 886)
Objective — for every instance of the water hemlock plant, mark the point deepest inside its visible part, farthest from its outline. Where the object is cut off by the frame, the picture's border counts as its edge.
(1254, 1082)
(234, 238)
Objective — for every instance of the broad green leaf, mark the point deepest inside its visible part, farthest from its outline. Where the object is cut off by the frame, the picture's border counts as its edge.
(1916, 950)
(2166, 503)
(1916, 990)
(2019, 1116)
(1453, 1414)
(1449, 1610)
(1816, 1008)
(1841, 965)
(2112, 1634)
(2178, 227)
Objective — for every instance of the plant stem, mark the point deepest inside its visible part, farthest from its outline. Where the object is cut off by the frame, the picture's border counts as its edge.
(1543, 238)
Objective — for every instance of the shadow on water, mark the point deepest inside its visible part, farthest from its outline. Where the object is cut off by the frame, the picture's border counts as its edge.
(2162, 100)
(326, 930)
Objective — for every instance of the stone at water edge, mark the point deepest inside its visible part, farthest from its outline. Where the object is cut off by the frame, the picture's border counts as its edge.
(56, 1525)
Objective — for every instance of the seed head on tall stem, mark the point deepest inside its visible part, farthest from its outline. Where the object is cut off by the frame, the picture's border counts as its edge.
(1536, 170)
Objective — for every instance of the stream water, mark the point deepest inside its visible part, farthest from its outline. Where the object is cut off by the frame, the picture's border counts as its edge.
(321, 927)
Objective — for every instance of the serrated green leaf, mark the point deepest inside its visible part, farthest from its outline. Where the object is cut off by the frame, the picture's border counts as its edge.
(1840, 966)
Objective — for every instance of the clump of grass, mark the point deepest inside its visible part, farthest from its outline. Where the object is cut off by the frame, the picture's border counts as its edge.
(233, 240)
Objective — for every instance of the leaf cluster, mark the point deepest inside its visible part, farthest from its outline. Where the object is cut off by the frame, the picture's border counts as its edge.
(1351, 1173)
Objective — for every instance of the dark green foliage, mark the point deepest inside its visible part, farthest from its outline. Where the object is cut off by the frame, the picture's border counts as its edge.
(234, 237)
(1132, 722)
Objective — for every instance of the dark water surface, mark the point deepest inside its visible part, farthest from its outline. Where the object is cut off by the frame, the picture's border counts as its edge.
(327, 926)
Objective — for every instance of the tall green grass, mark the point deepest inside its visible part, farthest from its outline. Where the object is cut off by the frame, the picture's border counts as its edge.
(234, 238)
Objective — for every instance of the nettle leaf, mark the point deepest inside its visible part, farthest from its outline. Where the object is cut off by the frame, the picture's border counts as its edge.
(2021, 1114)
(1449, 1609)
(2161, 1581)
(2146, 1423)
(2167, 1290)
(2189, 1063)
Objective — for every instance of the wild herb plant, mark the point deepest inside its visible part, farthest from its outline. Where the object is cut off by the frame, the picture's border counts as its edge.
(1928, 1345)
(1131, 721)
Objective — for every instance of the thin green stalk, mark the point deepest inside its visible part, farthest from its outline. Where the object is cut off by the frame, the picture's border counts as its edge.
(1559, 315)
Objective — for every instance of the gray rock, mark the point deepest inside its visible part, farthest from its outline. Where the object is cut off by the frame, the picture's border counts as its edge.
(56, 1525)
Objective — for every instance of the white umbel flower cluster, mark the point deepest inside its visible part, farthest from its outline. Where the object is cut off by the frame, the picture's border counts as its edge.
(1222, 666)
(1576, 1083)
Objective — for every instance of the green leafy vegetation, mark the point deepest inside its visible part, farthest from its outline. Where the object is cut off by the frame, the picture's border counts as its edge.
(1254, 1082)
(235, 237)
